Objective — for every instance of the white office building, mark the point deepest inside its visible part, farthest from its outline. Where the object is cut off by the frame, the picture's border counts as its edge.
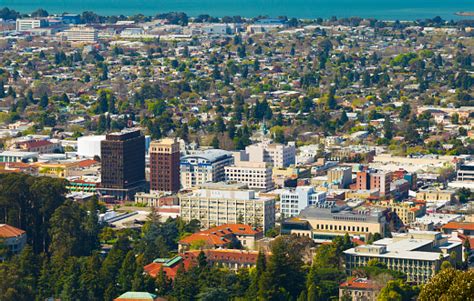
(204, 166)
(81, 34)
(89, 146)
(28, 24)
(292, 201)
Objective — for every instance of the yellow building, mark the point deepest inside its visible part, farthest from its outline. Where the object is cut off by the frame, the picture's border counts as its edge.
(406, 211)
(324, 223)
(435, 195)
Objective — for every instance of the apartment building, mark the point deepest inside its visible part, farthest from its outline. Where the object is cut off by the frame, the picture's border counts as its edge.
(215, 204)
(324, 222)
(204, 166)
(418, 254)
(292, 201)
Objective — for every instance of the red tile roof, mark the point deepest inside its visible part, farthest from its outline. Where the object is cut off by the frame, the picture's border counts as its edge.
(87, 163)
(153, 268)
(35, 143)
(455, 225)
(358, 283)
(224, 255)
(220, 235)
(7, 231)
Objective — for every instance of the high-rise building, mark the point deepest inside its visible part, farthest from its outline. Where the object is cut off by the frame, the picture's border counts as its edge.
(164, 165)
(123, 164)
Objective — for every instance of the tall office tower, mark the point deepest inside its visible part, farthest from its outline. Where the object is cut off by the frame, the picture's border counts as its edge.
(123, 164)
(164, 165)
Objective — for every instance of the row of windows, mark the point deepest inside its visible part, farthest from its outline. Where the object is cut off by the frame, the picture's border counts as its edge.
(342, 228)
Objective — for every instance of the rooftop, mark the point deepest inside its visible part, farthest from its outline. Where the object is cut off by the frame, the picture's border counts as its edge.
(455, 225)
(211, 155)
(7, 231)
(132, 296)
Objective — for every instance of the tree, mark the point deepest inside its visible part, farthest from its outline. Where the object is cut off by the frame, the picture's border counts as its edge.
(68, 231)
(163, 283)
(387, 127)
(398, 290)
(44, 101)
(404, 110)
(39, 13)
(283, 277)
(215, 142)
(449, 284)
(126, 273)
(2, 89)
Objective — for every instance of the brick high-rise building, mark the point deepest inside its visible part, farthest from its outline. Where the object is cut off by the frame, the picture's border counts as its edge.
(123, 164)
(164, 165)
(362, 180)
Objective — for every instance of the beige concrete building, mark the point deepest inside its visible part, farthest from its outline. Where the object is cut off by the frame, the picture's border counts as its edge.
(341, 176)
(279, 155)
(256, 175)
(216, 204)
(418, 254)
(322, 224)
(406, 211)
(435, 195)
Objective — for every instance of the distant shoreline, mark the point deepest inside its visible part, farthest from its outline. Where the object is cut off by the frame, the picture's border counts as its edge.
(465, 14)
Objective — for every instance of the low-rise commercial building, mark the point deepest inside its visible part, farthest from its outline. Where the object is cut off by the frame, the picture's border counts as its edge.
(434, 195)
(418, 254)
(13, 156)
(215, 204)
